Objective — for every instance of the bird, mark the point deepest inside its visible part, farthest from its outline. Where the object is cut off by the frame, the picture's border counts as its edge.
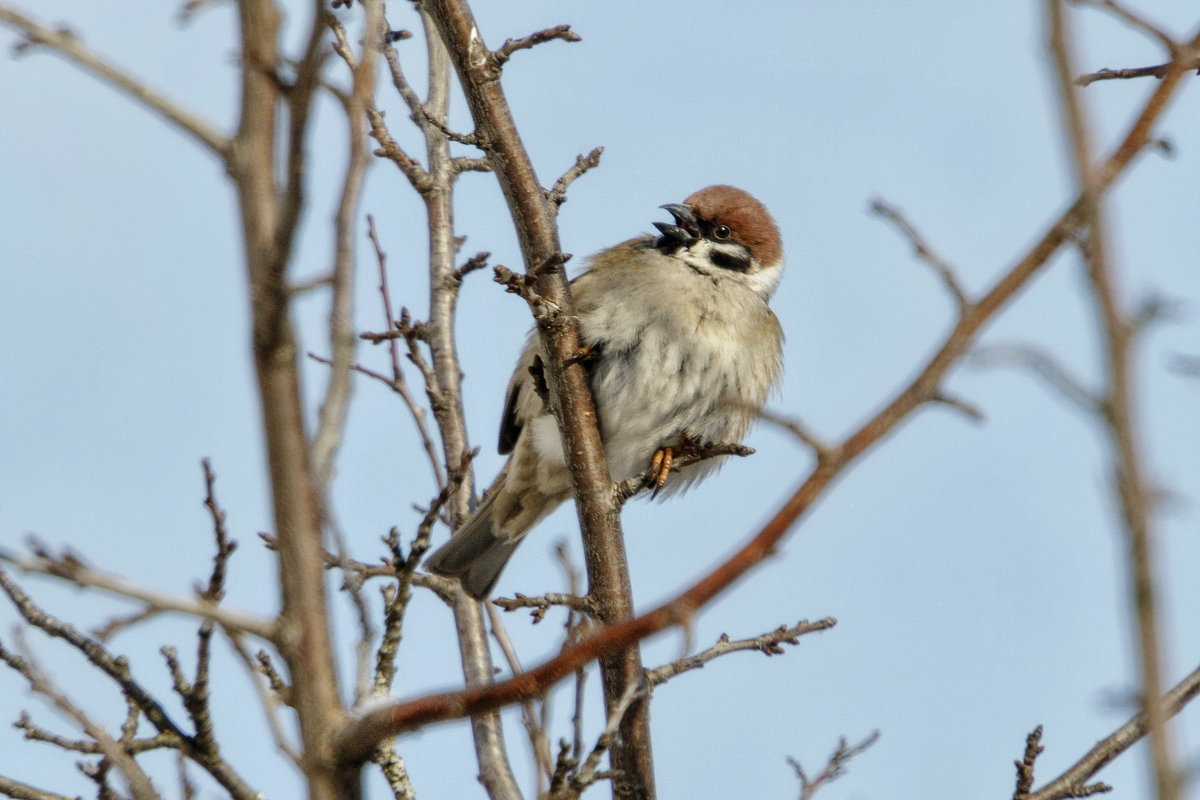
(681, 350)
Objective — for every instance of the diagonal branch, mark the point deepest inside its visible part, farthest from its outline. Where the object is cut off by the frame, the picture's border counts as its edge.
(66, 44)
(70, 568)
(1075, 778)
(922, 250)
(533, 217)
(770, 643)
(356, 740)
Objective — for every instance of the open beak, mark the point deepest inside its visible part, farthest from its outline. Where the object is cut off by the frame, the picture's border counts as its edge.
(684, 232)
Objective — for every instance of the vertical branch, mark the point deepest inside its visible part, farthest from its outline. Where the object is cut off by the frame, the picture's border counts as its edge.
(608, 573)
(446, 400)
(332, 418)
(1115, 328)
(443, 295)
(269, 216)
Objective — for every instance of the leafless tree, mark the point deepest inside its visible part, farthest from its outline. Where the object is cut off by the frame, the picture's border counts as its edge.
(293, 653)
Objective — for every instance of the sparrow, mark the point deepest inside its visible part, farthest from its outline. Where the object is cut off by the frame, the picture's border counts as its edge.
(681, 350)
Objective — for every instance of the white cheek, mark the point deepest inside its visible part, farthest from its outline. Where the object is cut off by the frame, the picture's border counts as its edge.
(765, 280)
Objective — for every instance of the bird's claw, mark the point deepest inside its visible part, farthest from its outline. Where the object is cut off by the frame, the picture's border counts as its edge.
(663, 460)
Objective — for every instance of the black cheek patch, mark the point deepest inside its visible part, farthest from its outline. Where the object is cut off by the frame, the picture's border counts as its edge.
(737, 263)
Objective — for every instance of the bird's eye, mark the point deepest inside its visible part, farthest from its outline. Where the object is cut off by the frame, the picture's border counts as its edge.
(721, 232)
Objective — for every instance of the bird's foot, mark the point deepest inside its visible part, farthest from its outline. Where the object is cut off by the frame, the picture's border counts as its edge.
(662, 461)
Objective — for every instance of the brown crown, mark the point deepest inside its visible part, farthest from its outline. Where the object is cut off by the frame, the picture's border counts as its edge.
(749, 220)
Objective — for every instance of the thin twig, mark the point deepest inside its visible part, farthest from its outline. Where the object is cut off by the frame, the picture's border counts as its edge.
(69, 568)
(1156, 71)
(588, 772)
(510, 46)
(23, 791)
(544, 602)
(834, 768)
(1136, 21)
(334, 407)
(558, 193)
(1076, 777)
(269, 696)
(770, 643)
(923, 251)
(139, 782)
(539, 742)
(66, 44)
(1044, 366)
(690, 453)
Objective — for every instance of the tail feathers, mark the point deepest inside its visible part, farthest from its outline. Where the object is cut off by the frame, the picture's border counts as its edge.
(475, 555)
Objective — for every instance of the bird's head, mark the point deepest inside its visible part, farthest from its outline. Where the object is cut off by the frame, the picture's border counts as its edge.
(723, 232)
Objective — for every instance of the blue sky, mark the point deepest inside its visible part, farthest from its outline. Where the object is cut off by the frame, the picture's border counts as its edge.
(976, 569)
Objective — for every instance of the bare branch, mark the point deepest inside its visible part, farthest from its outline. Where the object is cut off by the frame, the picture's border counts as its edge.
(193, 7)
(391, 150)
(539, 742)
(770, 643)
(66, 44)
(114, 626)
(23, 791)
(117, 669)
(394, 772)
(1044, 366)
(558, 193)
(511, 46)
(1156, 71)
(462, 164)
(357, 740)
(1075, 778)
(397, 383)
(334, 407)
(834, 768)
(690, 453)
(270, 700)
(1130, 482)
(133, 746)
(570, 784)
(923, 251)
(574, 409)
(1136, 21)
(443, 384)
(138, 781)
(1033, 749)
(542, 603)
(68, 567)
(795, 426)
(959, 404)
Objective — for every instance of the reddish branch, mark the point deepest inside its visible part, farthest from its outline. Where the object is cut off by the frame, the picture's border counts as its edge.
(356, 741)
